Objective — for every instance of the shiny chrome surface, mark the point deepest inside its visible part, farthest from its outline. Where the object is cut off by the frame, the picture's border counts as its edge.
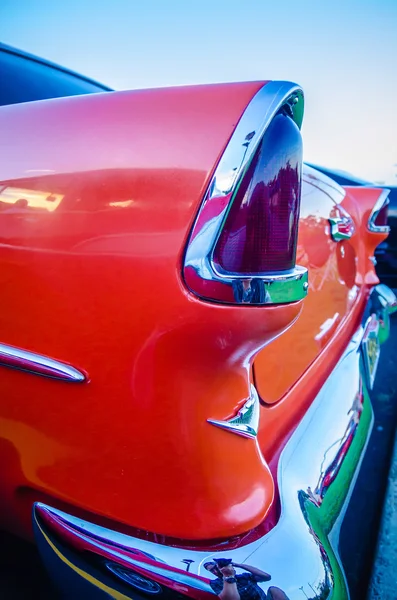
(270, 289)
(316, 474)
(246, 422)
(342, 228)
(326, 312)
(37, 364)
(371, 348)
(383, 304)
(382, 200)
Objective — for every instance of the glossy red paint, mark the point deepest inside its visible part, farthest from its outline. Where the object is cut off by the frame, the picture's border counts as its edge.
(99, 195)
(343, 292)
(328, 306)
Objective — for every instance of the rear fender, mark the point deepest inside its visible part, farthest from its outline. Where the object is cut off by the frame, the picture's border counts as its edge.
(99, 194)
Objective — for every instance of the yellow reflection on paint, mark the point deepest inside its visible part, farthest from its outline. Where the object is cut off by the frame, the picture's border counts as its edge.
(121, 203)
(22, 198)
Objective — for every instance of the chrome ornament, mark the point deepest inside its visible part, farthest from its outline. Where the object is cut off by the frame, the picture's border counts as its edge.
(246, 422)
(301, 548)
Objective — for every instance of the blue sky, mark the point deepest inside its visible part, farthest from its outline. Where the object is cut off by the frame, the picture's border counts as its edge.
(343, 53)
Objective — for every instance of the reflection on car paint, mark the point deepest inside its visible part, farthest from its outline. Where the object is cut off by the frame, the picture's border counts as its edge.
(298, 556)
(338, 450)
(13, 199)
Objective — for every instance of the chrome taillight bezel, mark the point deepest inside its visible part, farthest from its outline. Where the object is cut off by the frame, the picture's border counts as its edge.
(381, 202)
(268, 288)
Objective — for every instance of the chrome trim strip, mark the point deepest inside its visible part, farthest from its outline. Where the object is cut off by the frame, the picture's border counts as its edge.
(380, 203)
(246, 422)
(316, 473)
(37, 364)
(273, 288)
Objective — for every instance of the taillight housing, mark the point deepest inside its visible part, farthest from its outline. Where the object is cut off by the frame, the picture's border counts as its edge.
(377, 222)
(259, 234)
(242, 248)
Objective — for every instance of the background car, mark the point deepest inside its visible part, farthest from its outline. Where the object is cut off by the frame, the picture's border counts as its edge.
(386, 252)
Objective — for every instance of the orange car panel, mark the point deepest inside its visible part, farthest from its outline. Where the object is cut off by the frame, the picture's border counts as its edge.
(351, 278)
(332, 293)
(90, 271)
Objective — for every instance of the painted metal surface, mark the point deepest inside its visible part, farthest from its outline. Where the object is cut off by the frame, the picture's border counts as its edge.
(316, 472)
(94, 221)
(336, 294)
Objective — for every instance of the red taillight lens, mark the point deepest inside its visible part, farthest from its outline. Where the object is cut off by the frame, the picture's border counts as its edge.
(260, 232)
(242, 248)
(381, 217)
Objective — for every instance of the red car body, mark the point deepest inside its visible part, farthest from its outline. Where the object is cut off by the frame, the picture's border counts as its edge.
(100, 196)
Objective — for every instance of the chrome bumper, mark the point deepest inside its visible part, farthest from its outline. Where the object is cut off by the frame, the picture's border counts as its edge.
(316, 475)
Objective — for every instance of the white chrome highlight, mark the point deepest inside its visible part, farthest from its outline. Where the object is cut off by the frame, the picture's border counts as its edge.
(246, 422)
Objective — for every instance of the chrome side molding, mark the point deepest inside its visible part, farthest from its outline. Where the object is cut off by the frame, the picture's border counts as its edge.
(316, 473)
(37, 364)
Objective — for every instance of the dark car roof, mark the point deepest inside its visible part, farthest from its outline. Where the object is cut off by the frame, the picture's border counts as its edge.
(32, 57)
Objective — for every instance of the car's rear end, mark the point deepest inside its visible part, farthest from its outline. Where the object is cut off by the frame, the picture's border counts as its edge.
(174, 397)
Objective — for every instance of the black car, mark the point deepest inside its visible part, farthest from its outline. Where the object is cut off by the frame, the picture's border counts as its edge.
(25, 77)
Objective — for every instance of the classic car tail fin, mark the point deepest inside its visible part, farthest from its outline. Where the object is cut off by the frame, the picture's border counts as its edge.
(369, 207)
(377, 222)
(243, 245)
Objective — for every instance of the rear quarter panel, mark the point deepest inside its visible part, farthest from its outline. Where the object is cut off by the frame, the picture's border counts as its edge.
(98, 197)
